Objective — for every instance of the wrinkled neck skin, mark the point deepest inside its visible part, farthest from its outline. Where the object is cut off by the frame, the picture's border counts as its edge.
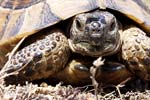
(95, 34)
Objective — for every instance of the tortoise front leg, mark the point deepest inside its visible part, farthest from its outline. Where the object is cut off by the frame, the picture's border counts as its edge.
(78, 72)
(40, 59)
(112, 73)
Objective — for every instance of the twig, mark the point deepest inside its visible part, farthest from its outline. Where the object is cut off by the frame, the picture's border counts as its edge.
(121, 85)
(93, 70)
(108, 94)
(120, 95)
(14, 72)
(3, 70)
(12, 53)
(85, 87)
(16, 48)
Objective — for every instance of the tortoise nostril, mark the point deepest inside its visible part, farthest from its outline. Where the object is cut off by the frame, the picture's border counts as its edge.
(95, 26)
(98, 30)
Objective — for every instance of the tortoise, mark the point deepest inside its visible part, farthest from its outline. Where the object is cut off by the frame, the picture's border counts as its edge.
(49, 56)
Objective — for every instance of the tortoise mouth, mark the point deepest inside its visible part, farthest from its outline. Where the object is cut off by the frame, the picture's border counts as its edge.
(87, 40)
(87, 43)
(90, 49)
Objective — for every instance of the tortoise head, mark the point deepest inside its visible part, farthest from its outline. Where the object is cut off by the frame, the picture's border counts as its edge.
(95, 34)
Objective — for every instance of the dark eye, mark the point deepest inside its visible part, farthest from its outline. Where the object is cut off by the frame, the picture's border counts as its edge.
(78, 24)
(112, 26)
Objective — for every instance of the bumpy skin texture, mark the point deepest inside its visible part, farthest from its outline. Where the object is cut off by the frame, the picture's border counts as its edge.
(95, 34)
(41, 59)
(136, 52)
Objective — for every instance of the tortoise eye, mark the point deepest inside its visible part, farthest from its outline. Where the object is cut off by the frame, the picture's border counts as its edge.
(112, 26)
(78, 24)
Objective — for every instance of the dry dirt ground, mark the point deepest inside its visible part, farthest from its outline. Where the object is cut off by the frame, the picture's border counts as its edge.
(132, 89)
(31, 91)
